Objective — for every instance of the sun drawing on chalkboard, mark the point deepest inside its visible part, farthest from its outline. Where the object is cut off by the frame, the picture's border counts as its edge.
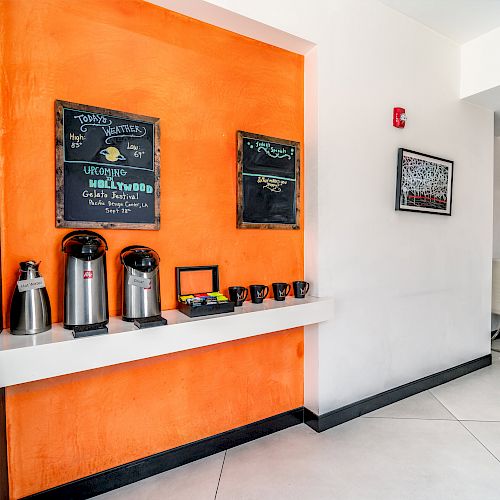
(112, 154)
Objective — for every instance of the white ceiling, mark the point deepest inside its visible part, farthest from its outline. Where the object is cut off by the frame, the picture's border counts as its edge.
(460, 20)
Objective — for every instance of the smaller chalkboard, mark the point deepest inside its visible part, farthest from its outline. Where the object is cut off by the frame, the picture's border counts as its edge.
(268, 182)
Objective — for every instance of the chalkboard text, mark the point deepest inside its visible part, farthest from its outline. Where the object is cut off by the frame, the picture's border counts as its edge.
(108, 166)
(268, 182)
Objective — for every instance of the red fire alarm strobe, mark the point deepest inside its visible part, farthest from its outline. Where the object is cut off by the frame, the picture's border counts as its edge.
(399, 117)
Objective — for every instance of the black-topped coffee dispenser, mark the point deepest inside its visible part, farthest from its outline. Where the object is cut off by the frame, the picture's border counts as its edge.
(141, 283)
(85, 282)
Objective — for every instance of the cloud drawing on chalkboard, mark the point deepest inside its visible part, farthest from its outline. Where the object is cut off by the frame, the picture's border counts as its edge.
(112, 154)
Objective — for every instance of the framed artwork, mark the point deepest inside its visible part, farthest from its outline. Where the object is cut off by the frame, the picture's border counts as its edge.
(424, 183)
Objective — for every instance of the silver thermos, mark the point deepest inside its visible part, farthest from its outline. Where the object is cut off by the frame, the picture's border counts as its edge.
(141, 283)
(30, 307)
(85, 279)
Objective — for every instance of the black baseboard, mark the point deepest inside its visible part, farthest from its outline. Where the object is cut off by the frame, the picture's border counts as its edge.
(111, 479)
(328, 420)
(4, 475)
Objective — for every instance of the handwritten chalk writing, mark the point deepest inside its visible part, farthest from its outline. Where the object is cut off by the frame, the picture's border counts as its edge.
(272, 184)
(109, 167)
(121, 129)
(121, 186)
(117, 210)
(76, 140)
(135, 148)
(76, 137)
(112, 133)
(136, 205)
(94, 194)
(272, 151)
(105, 171)
(125, 196)
(93, 119)
(268, 172)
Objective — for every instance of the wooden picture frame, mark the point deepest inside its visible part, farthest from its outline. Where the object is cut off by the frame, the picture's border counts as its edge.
(424, 183)
(61, 220)
(294, 211)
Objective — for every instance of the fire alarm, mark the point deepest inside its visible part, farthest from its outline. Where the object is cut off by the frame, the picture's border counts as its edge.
(399, 117)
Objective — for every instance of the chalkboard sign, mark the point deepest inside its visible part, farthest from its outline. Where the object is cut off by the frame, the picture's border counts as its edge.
(108, 168)
(268, 182)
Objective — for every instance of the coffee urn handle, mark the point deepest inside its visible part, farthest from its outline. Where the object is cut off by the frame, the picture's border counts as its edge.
(134, 247)
(130, 247)
(80, 232)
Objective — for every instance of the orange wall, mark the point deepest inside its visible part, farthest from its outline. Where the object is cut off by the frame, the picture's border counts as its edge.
(72, 426)
(203, 83)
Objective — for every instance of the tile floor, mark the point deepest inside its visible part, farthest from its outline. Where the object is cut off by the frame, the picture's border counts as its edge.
(442, 444)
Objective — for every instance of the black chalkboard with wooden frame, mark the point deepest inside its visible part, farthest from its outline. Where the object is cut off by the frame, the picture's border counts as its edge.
(268, 182)
(107, 168)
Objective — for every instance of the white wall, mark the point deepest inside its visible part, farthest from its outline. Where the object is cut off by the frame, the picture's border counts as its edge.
(480, 68)
(412, 291)
(480, 72)
(495, 318)
(496, 210)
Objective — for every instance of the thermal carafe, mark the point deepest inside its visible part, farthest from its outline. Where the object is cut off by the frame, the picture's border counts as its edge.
(30, 307)
(85, 279)
(141, 283)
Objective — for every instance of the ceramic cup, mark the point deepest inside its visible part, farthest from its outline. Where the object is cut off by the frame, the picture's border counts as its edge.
(238, 295)
(280, 290)
(258, 293)
(300, 288)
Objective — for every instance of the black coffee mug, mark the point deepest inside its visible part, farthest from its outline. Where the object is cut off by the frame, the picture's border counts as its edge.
(300, 288)
(280, 290)
(258, 293)
(238, 295)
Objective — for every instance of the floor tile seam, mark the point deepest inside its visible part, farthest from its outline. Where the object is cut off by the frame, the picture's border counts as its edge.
(220, 475)
(416, 418)
(479, 421)
(443, 405)
(479, 441)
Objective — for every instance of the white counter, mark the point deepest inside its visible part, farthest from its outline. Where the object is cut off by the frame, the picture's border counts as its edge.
(27, 358)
